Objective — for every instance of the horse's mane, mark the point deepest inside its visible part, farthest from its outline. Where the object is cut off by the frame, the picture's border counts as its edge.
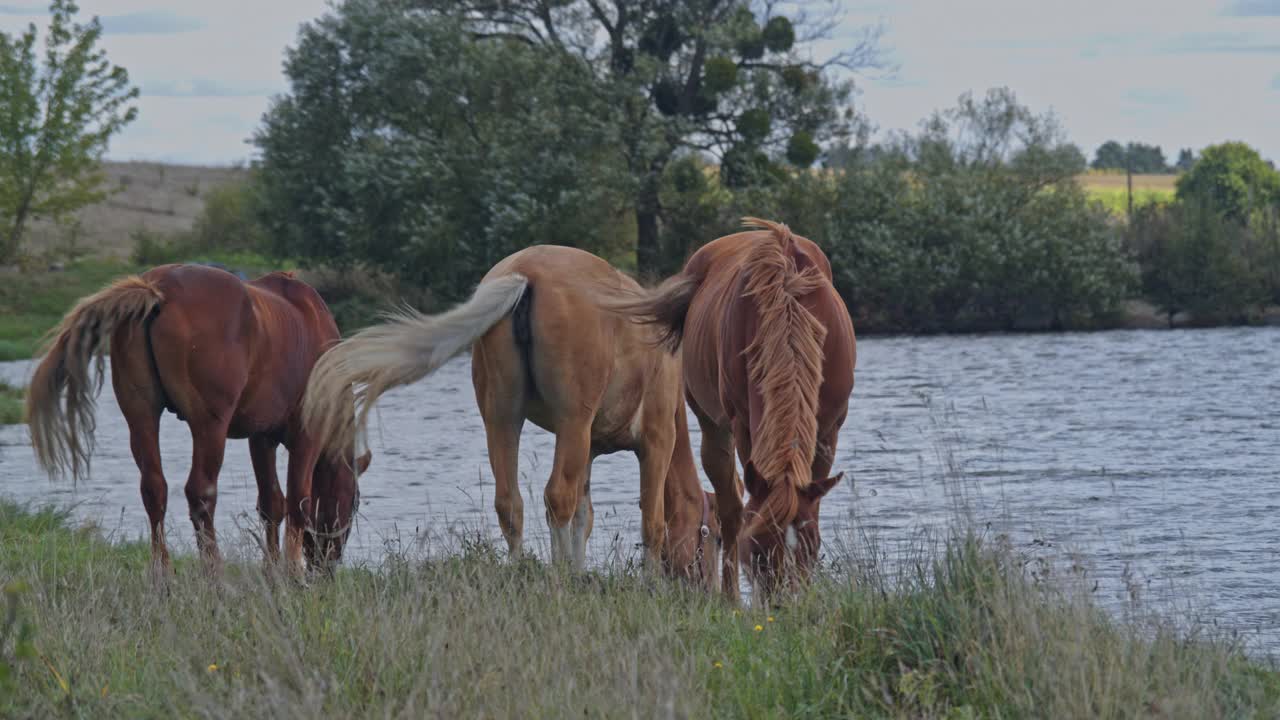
(785, 363)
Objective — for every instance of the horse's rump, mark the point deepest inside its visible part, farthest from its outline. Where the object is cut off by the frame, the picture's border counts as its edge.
(62, 433)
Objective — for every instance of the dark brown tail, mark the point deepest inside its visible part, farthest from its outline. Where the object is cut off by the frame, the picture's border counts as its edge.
(663, 307)
(62, 431)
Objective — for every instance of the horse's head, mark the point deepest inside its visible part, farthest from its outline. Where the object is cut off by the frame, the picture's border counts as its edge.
(693, 543)
(335, 494)
(777, 556)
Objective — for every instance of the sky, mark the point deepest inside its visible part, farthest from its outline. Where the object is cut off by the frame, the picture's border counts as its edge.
(1177, 73)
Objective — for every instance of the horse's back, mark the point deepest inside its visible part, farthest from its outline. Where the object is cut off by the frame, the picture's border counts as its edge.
(581, 358)
(722, 321)
(241, 351)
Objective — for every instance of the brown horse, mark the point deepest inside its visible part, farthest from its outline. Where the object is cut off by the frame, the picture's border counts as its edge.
(544, 351)
(769, 354)
(231, 359)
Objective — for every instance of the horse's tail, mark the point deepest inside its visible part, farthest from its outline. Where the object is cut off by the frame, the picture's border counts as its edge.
(664, 307)
(400, 351)
(62, 430)
(784, 362)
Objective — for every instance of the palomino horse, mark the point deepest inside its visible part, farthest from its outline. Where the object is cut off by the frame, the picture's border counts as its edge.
(543, 350)
(228, 357)
(769, 353)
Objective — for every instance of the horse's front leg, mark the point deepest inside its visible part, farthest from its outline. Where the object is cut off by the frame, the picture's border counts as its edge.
(262, 451)
(298, 512)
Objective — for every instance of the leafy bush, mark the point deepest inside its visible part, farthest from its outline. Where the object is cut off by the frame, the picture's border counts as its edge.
(1231, 179)
(977, 222)
(229, 220)
(1198, 260)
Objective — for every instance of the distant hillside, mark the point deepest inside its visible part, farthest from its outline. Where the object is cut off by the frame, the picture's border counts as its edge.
(152, 196)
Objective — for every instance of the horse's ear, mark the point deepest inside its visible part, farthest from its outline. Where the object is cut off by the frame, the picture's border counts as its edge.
(819, 488)
(362, 462)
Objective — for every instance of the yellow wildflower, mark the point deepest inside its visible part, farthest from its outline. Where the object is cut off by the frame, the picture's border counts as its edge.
(213, 667)
(770, 618)
(759, 628)
(717, 664)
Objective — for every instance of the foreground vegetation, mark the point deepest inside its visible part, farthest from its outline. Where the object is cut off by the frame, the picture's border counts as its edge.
(961, 632)
(11, 404)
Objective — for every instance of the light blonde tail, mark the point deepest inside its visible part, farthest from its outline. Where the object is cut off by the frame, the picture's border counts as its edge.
(402, 350)
(62, 431)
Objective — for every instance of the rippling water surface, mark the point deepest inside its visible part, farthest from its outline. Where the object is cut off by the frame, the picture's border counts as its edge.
(1152, 457)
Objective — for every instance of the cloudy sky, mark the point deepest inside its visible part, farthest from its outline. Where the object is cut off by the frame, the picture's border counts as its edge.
(1179, 73)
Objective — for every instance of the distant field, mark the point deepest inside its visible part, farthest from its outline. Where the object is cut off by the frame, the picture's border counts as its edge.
(156, 197)
(1112, 191)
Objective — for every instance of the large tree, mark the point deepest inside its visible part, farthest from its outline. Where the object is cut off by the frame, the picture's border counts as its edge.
(56, 117)
(1231, 179)
(407, 147)
(731, 78)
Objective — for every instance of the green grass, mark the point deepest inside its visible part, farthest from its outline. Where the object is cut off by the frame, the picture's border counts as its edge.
(1111, 189)
(964, 632)
(1117, 199)
(33, 302)
(11, 404)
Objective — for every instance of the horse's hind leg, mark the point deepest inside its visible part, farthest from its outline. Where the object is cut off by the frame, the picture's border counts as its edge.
(655, 459)
(208, 440)
(503, 436)
(566, 486)
(499, 376)
(583, 518)
(262, 450)
(138, 394)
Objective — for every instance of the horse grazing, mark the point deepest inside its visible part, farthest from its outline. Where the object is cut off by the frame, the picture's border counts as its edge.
(230, 358)
(769, 354)
(543, 350)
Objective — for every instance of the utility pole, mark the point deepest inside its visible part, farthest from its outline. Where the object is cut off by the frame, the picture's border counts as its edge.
(1128, 173)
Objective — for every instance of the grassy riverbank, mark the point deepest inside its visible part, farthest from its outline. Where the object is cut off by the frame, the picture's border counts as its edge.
(466, 634)
(11, 404)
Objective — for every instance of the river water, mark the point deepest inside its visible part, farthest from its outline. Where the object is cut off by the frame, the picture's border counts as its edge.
(1152, 458)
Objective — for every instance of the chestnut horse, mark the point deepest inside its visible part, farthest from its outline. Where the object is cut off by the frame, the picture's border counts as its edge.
(543, 350)
(231, 359)
(769, 354)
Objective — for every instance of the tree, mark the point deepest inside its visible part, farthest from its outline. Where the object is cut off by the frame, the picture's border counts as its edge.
(1109, 156)
(1231, 179)
(407, 147)
(1186, 158)
(1134, 157)
(730, 78)
(975, 221)
(56, 118)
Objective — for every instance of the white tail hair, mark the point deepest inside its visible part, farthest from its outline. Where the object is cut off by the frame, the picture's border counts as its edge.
(404, 349)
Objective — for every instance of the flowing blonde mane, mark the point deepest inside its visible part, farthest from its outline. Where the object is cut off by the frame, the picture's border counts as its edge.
(784, 360)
